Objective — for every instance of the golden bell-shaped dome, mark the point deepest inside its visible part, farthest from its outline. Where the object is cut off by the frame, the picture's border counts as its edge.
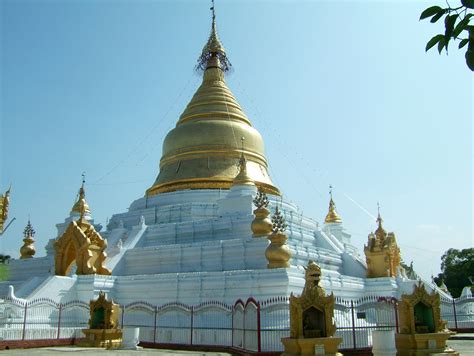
(202, 151)
(332, 216)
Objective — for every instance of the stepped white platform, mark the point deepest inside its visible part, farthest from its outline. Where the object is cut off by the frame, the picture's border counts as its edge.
(196, 245)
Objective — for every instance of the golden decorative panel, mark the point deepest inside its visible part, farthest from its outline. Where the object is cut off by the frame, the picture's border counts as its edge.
(313, 299)
(80, 244)
(382, 253)
(419, 312)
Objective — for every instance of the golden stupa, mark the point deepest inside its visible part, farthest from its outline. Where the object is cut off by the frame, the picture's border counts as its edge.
(202, 151)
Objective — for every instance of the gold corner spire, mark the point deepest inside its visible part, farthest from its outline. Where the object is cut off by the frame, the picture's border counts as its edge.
(242, 177)
(81, 207)
(380, 232)
(28, 249)
(4, 204)
(332, 215)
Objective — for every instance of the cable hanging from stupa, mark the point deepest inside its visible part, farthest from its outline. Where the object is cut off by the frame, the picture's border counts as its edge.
(213, 54)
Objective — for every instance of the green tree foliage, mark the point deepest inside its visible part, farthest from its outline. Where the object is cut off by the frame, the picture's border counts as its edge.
(457, 27)
(456, 268)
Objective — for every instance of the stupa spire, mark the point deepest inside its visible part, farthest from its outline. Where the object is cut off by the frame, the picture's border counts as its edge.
(201, 151)
(213, 53)
(242, 177)
(380, 232)
(80, 206)
(332, 215)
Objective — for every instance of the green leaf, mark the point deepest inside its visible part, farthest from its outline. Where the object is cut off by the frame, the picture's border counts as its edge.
(470, 59)
(434, 41)
(468, 3)
(441, 44)
(433, 10)
(437, 17)
(449, 22)
(463, 43)
(461, 26)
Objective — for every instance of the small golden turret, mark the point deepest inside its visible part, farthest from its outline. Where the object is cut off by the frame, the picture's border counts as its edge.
(261, 225)
(382, 252)
(380, 233)
(28, 250)
(242, 177)
(278, 253)
(4, 204)
(80, 206)
(332, 217)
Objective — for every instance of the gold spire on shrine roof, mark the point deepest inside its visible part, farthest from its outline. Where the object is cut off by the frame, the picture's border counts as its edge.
(332, 215)
(201, 151)
(380, 232)
(81, 207)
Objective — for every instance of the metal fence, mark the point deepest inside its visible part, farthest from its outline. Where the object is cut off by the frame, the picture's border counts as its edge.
(250, 325)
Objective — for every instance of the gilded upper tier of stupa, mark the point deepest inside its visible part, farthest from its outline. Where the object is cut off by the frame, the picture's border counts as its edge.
(203, 150)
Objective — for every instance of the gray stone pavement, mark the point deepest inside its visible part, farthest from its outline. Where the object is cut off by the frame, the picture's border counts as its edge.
(46, 351)
(463, 346)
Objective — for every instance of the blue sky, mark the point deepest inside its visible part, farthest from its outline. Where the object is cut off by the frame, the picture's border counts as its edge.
(342, 92)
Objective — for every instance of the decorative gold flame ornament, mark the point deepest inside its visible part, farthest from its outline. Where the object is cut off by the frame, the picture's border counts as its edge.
(81, 244)
(422, 332)
(278, 253)
(243, 178)
(28, 250)
(4, 204)
(382, 253)
(104, 328)
(200, 152)
(311, 318)
(261, 225)
(332, 216)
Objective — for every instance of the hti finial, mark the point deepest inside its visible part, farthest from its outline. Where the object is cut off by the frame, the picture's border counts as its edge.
(332, 215)
(83, 178)
(213, 12)
(242, 160)
(379, 218)
(213, 54)
(380, 232)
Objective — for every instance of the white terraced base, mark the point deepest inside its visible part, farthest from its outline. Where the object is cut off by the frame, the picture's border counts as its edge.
(196, 245)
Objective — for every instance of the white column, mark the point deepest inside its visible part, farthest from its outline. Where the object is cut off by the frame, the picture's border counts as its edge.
(383, 343)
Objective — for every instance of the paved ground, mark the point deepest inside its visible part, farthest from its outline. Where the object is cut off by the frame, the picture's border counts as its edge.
(46, 351)
(465, 347)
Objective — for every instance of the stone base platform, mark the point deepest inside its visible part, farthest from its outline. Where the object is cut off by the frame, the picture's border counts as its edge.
(424, 344)
(105, 338)
(311, 346)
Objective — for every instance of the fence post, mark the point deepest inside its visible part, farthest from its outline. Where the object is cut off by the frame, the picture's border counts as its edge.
(24, 320)
(232, 321)
(395, 307)
(353, 325)
(154, 325)
(59, 318)
(123, 313)
(259, 328)
(192, 321)
(455, 316)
